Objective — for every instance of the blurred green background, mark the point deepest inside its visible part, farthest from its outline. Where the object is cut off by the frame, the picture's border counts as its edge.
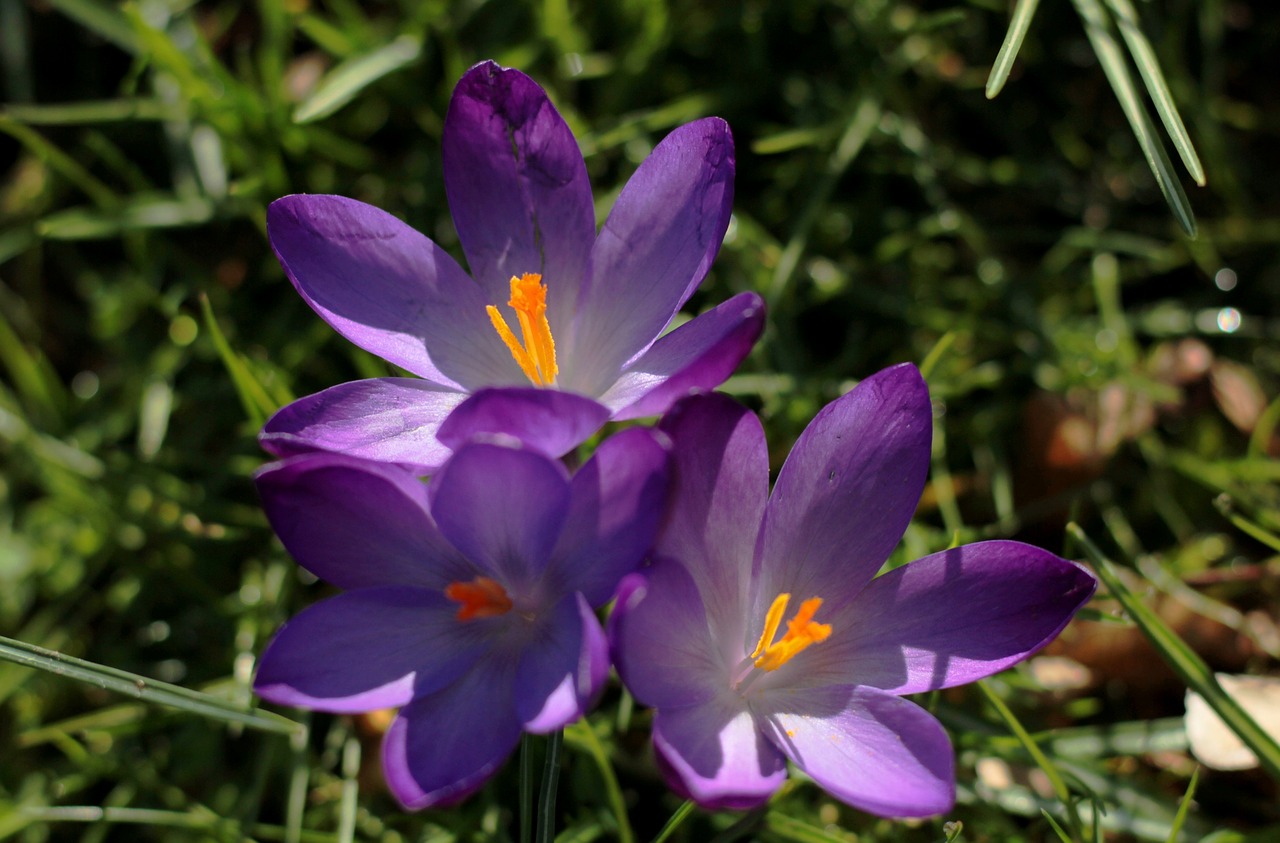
(1088, 361)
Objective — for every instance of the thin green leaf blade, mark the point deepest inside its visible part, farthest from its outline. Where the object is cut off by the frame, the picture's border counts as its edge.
(1018, 26)
(1098, 29)
(348, 79)
(1149, 68)
(141, 687)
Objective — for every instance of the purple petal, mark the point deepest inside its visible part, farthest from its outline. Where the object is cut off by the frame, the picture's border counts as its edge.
(368, 649)
(662, 646)
(518, 188)
(699, 354)
(715, 755)
(951, 618)
(654, 249)
(846, 493)
(616, 503)
(875, 751)
(503, 508)
(546, 420)
(389, 290)
(357, 524)
(721, 484)
(563, 668)
(385, 419)
(443, 748)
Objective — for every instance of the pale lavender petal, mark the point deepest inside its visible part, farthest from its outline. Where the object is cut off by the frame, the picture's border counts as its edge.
(950, 618)
(721, 484)
(503, 508)
(356, 524)
(563, 667)
(444, 747)
(518, 189)
(389, 290)
(661, 644)
(873, 750)
(654, 249)
(385, 419)
(699, 354)
(846, 493)
(367, 649)
(546, 420)
(715, 755)
(617, 500)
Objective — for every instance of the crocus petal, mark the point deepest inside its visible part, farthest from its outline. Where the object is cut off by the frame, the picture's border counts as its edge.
(722, 482)
(388, 289)
(616, 502)
(367, 649)
(545, 420)
(662, 646)
(385, 419)
(654, 249)
(715, 755)
(563, 667)
(873, 750)
(846, 492)
(699, 354)
(950, 618)
(444, 747)
(503, 507)
(517, 187)
(356, 524)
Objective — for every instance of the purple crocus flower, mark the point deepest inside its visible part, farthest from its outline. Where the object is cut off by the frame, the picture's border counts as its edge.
(700, 636)
(467, 602)
(570, 317)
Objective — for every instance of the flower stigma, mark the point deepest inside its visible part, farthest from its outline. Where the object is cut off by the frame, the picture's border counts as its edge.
(802, 630)
(536, 356)
(481, 598)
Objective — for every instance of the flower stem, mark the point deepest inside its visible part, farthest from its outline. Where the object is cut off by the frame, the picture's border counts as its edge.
(550, 783)
(526, 788)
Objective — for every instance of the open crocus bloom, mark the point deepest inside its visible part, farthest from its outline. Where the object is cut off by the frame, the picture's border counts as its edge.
(760, 635)
(467, 603)
(570, 319)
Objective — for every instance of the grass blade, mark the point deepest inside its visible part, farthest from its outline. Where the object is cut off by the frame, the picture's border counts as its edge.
(1183, 660)
(1149, 68)
(674, 822)
(142, 688)
(1097, 27)
(582, 734)
(1183, 807)
(1018, 25)
(348, 79)
(258, 404)
(546, 823)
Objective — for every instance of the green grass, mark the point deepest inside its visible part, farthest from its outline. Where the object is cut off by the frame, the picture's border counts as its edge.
(1090, 364)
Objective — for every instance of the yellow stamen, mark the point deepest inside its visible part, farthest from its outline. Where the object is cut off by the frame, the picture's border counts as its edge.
(801, 632)
(536, 356)
(481, 598)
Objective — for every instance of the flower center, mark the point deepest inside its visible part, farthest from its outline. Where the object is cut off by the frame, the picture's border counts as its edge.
(481, 598)
(801, 632)
(536, 356)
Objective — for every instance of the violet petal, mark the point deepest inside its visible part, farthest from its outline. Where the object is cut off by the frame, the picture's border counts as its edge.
(617, 500)
(355, 523)
(951, 618)
(388, 289)
(517, 188)
(654, 249)
(871, 749)
(385, 419)
(547, 420)
(367, 649)
(562, 669)
(700, 354)
(846, 493)
(503, 508)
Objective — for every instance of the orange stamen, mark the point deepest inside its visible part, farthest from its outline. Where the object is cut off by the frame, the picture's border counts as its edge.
(536, 356)
(480, 598)
(801, 632)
